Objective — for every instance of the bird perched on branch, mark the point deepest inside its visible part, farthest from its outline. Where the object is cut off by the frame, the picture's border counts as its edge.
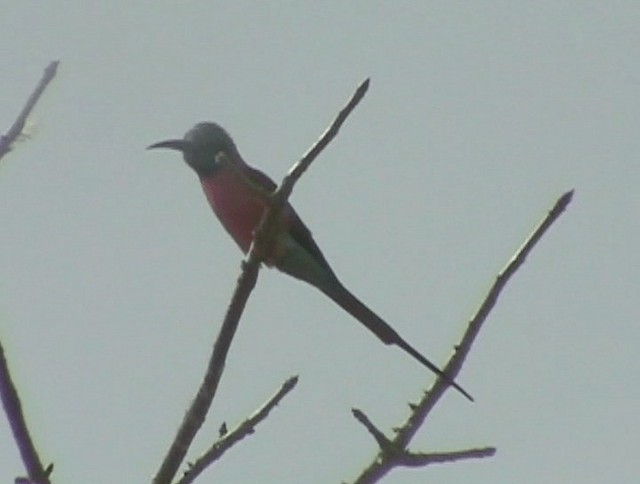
(239, 196)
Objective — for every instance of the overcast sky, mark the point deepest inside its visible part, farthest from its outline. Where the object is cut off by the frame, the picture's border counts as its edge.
(114, 274)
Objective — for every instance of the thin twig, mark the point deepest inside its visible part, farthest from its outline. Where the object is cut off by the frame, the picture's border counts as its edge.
(383, 442)
(299, 168)
(385, 461)
(422, 460)
(240, 432)
(12, 135)
(265, 235)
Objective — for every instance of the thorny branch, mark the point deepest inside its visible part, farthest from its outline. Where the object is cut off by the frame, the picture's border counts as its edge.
(393, 452)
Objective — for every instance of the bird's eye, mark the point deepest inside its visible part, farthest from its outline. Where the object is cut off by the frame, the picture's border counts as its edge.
(222, 158)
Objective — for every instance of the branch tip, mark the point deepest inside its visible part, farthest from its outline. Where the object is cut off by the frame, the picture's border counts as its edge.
(566, 198)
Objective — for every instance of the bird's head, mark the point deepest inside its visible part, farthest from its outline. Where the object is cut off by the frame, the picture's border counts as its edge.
(202, 146)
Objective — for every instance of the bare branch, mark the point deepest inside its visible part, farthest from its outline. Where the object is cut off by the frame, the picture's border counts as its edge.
(265, 235)
(10, 137)
(422, 460)
(13, 408)
(385, 461)
(455, 362)
(331, 132)
(240, 432)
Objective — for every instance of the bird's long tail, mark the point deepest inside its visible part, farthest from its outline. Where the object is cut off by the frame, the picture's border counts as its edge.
(347, 301)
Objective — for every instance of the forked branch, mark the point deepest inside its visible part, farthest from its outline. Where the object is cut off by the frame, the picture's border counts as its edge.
(393, 451)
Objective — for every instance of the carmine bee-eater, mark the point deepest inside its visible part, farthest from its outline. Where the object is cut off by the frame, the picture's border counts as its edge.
(237, 194)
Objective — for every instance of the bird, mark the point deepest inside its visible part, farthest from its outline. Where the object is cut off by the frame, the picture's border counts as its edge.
(239, 197)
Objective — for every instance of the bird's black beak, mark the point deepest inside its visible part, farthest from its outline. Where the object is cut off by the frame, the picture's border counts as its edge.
(172, 144)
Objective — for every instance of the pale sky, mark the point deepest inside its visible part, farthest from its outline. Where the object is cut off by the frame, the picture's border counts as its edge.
(114, 274)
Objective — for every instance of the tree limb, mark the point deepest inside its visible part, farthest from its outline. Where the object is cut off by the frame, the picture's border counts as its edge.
(385, 460)
(37, 474)
(13, 408)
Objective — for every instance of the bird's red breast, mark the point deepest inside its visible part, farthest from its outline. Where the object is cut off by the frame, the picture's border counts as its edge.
(238, 206)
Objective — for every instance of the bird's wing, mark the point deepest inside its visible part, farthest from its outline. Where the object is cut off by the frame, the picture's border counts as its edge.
(302, 235)
(298, 230)
(260, 179)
